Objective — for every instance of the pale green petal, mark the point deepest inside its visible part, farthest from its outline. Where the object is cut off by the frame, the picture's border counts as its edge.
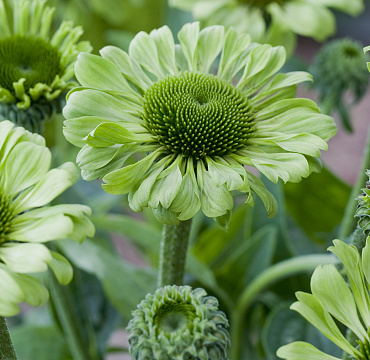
(108, 134)
(350, 258)
(187, 201)
(355, 8)
(281, 81)
(224, 220)
(267, 198)
(25, 258)
(25, 165)
(300, 350)
(235, 45)
(139, 198)
(215, 200)
(165, 43)
(165, 216)
(127, 66)
(328, 286)
(61, 267)
(305, 19)
(48, 188)
(96, 72)
(210, 43)
(82, 102)
(122, 181)
(314, 312)
(144, 50)
(223, 174)
(188, 38)
(166, 187)
(27, 227)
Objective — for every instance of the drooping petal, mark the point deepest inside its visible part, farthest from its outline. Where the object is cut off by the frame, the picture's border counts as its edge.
(300, 350)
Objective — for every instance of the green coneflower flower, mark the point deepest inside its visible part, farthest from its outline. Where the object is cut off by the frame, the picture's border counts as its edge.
(36, 67)
(363, 208)
(331, 301)
(272, 21)
(339, 69)
(195, 130)
(26, 187)
(178, 323)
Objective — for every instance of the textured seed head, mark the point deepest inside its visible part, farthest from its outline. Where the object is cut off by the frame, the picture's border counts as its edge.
(5, 215)
(198, 115)
(29, 58)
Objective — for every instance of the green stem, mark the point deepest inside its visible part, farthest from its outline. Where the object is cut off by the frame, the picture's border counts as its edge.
(174, 247)
(348, 221)
(268, 277)
(7, 351)
(70, 329)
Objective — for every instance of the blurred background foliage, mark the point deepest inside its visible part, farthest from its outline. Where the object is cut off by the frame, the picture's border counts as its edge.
(115, 270)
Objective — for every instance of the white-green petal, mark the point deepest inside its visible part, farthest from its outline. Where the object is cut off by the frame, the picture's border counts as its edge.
(329, 287)
(61, 267)
(165, 216)
(350, 258)
(144, 50)
(122, 181)
(30, 228)
(25, 258)
(210, 43)
(316, 313)
(188, 38)
(96, 72)
(356, 7)
(53, 183)
(25, 165)
(215, 200)
(224, 174)
(300, 350)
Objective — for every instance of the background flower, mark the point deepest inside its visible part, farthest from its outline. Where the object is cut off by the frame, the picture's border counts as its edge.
(26, 222)
(194, 130)
(331, 300)
(36, 66)
(272, 21)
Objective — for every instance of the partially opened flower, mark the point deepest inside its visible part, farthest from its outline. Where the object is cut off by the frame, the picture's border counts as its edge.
(272, 21)
(26, 222)
(195, 130)
(36, 67)
(177, 322)
(333, 301)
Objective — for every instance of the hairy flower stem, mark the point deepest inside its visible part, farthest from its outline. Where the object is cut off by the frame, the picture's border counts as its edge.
(270, 276)
(348, 223)
(7, 351)
(174, 246)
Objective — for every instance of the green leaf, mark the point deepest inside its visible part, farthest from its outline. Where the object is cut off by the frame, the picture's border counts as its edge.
(39, 342)
(125, 285)
(305, 200)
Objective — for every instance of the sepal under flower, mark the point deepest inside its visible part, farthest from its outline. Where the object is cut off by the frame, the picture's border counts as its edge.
(27, 186)
(176, 323)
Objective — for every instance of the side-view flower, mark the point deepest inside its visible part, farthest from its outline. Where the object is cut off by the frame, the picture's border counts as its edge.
(36, 67)
(195, 122)
(26, 221)
(333, 301)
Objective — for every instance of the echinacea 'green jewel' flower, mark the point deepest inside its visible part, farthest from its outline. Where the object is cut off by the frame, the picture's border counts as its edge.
(36, 67)
(272, 21)
(339, 69)
(26, 187)
(195, 130)
(332, 301)
(178, 323)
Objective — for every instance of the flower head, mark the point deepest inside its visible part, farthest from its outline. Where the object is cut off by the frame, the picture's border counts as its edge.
(272, 21)
(331, 301)
(195, 130)
(26, 222)
(339, 69)
(363, 208)
(178, 323)
(36, 67)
